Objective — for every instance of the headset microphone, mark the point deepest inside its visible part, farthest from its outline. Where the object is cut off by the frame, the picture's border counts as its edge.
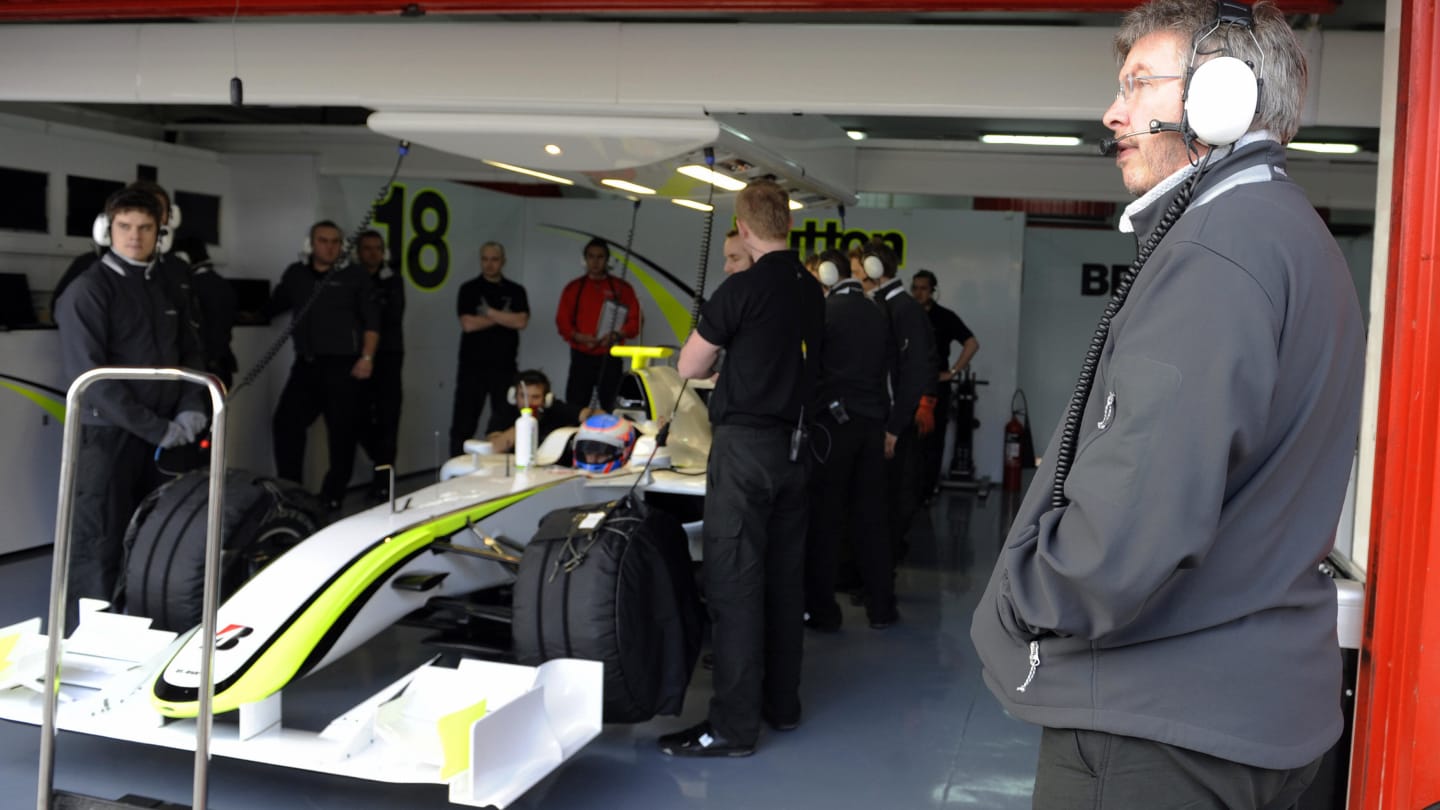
(1109, 146)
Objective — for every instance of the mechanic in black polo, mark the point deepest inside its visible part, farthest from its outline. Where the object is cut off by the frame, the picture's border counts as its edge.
(948, 328)
(850, 409)
(912, 386)
(770, 321)
(335, 343)
(492, 310)
(379, 431)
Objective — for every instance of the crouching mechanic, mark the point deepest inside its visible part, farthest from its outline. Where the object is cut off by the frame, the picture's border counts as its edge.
(532, 390)
(126, 309)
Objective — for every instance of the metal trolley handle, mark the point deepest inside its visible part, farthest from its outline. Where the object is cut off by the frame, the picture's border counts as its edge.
(61, 568)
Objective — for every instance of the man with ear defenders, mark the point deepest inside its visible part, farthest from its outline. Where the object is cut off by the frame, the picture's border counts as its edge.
(169, 220)
(380, 429)
(126, 309)
(532, 390)
(1158, 609)
(335, 344)
(912, 386)
(850, 408)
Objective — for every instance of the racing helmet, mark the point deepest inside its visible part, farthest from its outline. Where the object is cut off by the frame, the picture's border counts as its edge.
(604, 443)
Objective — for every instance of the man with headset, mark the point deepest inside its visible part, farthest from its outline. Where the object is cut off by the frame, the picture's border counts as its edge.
(126, 309)
(947, 328)
(492, 310)
(850, 410)
(380, 414)
(912, 386)
(1157, 605)
(532, 390)
(335, 343)
(596, 311)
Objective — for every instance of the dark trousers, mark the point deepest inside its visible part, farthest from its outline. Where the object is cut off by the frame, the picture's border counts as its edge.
(588, 371)
(932, 447)
(474, 384)
(380, 434)
(902, 477)
(114, 472)
(753, 575)
(1093, 770)
(319, 386)
(843, 494)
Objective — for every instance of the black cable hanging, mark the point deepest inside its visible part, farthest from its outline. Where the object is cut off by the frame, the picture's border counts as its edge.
(279, 343)
(1075, 411)
(705, 237)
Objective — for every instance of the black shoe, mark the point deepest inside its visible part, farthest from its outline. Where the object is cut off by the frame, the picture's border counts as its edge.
(708, 660)
(783, 725)
(884, 620)
(702, 741)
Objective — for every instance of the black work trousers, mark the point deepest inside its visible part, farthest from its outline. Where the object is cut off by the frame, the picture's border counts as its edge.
(474, 384)
(844, 494)
(114, 472)
(753, 574)
(384, 392)
(902, 477)
(319, 386)
(587, 371)
(1094, 770)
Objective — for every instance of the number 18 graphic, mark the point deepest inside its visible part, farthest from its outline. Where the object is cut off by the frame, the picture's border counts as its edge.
(430, 220)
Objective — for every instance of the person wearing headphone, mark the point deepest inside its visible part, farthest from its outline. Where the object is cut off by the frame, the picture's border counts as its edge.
(380, 413)
(737, 259)
(596, 311)
(169, 221)
(770, 319)
(912, 386)
(1157, 606)
(336, 338)
(492, 310)
(850, 409)
(126, 309)
(531, 389)
(947, 327)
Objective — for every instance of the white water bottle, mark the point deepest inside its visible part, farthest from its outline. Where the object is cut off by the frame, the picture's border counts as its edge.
(526, 438)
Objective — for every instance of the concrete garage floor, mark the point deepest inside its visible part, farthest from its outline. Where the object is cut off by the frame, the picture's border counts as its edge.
(896, 718)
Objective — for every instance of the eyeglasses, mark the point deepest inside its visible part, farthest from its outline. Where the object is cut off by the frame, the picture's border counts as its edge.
(1128, 83)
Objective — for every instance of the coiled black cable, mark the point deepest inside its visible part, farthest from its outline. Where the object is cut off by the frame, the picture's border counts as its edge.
(705, 236)
(1075, 411)
(349, 245)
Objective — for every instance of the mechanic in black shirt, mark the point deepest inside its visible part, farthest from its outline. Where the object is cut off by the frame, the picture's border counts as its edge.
(335, 343)
(532, 390)
(379, 435)
(947, 328)
(125, 309)
(912, 386)
(850, 412)
(770, 321)
(492, 309)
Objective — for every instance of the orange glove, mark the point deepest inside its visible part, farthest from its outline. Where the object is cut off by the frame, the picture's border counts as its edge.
(925, 415)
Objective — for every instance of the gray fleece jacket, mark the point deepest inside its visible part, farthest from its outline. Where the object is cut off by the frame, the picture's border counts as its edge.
(1176, 597)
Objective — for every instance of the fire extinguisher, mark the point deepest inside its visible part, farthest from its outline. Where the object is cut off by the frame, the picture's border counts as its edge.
(1014, 429)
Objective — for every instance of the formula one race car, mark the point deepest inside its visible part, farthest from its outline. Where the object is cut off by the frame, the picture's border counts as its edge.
(606, 577)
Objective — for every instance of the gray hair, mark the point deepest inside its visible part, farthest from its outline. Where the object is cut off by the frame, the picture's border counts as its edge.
(495, 245)
(1279, 62)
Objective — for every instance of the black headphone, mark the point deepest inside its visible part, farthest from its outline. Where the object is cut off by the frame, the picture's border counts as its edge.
(1222, 96)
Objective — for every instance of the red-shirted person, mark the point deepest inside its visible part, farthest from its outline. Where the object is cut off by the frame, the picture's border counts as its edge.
(596, 311)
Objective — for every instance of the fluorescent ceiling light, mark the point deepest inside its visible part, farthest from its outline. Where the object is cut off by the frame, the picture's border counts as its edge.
(796, 205)
(626, 185)
(1325, 148)
(1031, 140)
(698, 206)
(856, 134)
(714, 178)
(522, 170)
(553, 149)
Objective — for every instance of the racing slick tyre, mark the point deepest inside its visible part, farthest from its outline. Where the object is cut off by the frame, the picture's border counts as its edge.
(611, 583)
(164, 576)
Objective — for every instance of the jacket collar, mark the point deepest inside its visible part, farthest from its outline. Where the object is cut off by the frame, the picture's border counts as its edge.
(848, 286)
(1253, 149)
(124, 267)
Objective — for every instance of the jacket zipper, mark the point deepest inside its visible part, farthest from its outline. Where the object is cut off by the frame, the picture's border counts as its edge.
(1034, 665)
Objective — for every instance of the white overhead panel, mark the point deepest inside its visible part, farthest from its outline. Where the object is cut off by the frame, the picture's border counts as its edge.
(551, 143)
